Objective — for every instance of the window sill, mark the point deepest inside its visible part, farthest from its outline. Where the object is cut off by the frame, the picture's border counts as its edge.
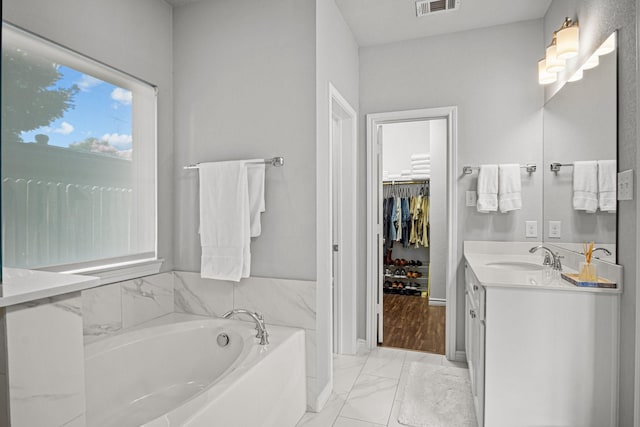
(121, 272)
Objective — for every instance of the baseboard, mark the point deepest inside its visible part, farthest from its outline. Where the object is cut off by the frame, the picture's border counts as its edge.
(461, 356)
(323, 398)
(437, 301)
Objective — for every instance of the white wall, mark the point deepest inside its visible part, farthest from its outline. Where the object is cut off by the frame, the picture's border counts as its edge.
(134, 37)
(438, 242)
(598, 19)
(400, 141)
(336, 63)
(244, 79)
(488, 74)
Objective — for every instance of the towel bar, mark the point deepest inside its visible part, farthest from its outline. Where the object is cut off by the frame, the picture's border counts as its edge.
(275, 161)
(467, 170)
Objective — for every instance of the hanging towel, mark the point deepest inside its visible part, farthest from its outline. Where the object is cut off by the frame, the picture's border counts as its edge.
(585, 186)
(224, 220)
(421, 156)
(509, 187)
(255, 179)
(488, 188)
(607, 174)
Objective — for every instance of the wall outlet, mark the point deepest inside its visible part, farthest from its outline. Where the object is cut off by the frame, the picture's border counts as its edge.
(625, 185)
(472, 198)
(555, 229)
(531, 229)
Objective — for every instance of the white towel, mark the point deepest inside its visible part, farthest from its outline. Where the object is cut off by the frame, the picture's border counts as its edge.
(224, 220)
(488, 188)
(585, 186)
(421, 156)
(420, 176)
(392, 176)
(607, 174)
(509, 187)
(420, 162)
(405, 172)
(421, 169)
(255, 179)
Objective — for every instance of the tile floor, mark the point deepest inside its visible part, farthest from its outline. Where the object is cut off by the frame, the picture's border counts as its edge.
(368, 388)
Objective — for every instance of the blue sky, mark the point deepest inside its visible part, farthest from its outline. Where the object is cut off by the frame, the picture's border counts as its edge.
(102, 110)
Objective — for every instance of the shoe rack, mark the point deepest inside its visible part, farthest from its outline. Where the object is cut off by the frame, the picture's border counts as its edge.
(406, 276)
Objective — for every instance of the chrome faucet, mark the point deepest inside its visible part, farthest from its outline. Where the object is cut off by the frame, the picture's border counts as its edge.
(550, 258)
(262, 333)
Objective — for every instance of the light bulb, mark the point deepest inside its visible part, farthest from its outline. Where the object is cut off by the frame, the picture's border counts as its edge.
(545, 77)
(554, 64)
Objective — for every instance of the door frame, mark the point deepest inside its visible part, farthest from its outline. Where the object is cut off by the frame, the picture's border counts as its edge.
(345, 310)
(373, 181)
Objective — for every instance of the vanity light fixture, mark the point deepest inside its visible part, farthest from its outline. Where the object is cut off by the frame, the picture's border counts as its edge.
(545, 77)
(554, 64)
(567, 39)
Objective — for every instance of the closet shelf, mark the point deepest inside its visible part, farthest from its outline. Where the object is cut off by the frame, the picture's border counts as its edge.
(405, 266)
(392, 276)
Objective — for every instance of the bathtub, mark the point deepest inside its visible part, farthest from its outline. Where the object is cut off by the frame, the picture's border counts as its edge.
(173, 372)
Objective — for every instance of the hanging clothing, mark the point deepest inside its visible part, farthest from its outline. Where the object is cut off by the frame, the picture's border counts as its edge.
(405, 222)
(398, 219)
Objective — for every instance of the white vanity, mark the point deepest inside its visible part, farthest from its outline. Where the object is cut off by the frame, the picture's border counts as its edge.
(541, 351)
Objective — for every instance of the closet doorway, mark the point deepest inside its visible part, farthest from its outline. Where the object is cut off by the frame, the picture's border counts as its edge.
(411, 265)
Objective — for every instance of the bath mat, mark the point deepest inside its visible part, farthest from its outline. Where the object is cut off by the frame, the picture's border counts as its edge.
(437, 396)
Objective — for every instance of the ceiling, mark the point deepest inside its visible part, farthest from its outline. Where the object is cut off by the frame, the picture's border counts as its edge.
(384, 21)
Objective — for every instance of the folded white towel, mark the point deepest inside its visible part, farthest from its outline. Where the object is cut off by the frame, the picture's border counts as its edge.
(585, 186)
(395, 176)
(224, 220)
(405, 172)
(420, 162)
(255, 179)
(607, 174)
(509, 187)
(422, 168)
(421, 156)
(421, 176)
(488, 188)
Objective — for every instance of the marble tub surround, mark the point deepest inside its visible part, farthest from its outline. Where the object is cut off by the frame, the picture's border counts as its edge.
(110, 308)
(282, 302)
(20, 285)
(479, 254)
(45, 361)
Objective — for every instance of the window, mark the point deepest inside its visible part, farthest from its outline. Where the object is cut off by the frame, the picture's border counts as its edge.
(78, 159)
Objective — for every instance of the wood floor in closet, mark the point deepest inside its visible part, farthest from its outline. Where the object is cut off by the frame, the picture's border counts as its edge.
(411, 323)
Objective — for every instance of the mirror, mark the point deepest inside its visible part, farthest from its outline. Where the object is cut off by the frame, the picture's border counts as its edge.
(580, 124)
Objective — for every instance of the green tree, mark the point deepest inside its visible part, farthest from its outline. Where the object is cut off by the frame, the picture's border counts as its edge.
(29, 100)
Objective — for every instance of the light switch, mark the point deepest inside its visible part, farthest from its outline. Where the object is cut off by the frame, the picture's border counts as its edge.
(555, 230)
(531, 229)
(625, 185)
(472, 199)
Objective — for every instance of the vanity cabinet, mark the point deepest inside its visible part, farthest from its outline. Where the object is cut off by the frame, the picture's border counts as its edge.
(474, 339)
(541, 356)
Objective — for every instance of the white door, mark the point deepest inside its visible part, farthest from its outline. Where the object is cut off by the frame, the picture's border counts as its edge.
(336, 224)
(380, 240)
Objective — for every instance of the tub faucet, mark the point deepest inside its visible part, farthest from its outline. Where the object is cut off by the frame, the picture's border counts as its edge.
(262, 333)
(550, 258)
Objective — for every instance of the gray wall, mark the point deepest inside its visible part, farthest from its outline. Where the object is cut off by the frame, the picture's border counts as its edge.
(336, 63)
(244, 79)
(598, 19)
(134, 37)
(490, 75)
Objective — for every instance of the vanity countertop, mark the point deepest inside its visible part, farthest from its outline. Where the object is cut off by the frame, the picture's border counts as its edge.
(20, 285)
(505, 277)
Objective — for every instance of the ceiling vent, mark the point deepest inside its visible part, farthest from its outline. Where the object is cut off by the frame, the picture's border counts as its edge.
(428, 7)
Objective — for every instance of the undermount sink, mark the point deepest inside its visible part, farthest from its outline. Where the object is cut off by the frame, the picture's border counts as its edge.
(515, 265)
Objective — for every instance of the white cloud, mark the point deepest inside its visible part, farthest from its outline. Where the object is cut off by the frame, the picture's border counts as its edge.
(86, 82)
(122, 95)
(118, 140)
(64, 129)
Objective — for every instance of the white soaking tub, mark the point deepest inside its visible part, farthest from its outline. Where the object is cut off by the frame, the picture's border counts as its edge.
(173, 372)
